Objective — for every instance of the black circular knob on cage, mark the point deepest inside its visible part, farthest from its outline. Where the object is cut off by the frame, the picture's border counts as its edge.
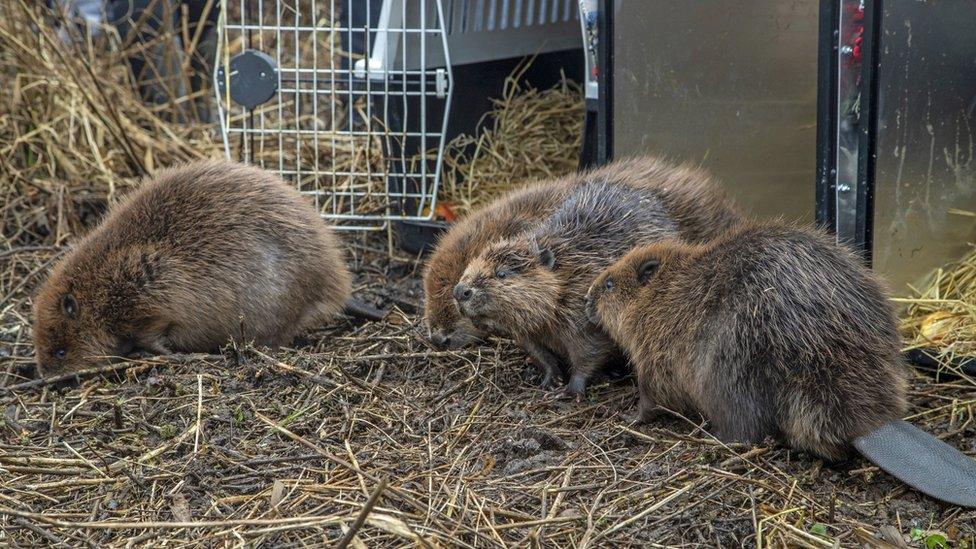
(253, 78)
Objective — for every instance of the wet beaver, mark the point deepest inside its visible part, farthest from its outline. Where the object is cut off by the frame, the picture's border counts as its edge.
(534, 285)
(693, 201)
(773, 330)
(608, 211)
(196, 255)
(507, 216)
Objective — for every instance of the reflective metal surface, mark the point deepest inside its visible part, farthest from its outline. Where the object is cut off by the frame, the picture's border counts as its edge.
(729, 84)
(926, 164)
(732, 85)
(848, 110)
(478, 30)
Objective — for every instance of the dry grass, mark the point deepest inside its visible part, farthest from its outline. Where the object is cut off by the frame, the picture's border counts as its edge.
(362, 436)
(942, 315)
(529, 134)
(462, 448)
(73, 130)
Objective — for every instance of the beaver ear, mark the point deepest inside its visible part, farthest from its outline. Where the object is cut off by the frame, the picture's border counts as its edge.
(69, 306)
(647, 270)
(141, 267)
(546, 258)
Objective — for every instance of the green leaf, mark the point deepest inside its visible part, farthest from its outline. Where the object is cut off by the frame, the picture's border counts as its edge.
(295, 415)
(936, 539)
(917, 534)
(819, 529)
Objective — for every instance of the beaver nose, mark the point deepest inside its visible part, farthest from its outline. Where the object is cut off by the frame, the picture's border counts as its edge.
(440, 340)
(463, 292)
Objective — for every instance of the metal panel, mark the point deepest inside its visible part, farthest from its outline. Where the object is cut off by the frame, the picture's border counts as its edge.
(926, 149)
(481, 30)
(730, 84)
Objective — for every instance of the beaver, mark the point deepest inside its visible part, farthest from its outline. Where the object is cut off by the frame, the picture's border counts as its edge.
(198, 254)
(507, 216)
(774, 330)
(692, 199)
(534, 284)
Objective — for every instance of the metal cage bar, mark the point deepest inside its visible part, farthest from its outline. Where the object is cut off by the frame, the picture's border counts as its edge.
(847, 122)
(828, 67)
(348, 102)
(868, 131)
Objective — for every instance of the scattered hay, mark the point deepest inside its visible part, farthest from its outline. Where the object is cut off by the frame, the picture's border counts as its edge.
(532, 134)
(942, 316)
(75, 131)
(367, 430)
(73, 127)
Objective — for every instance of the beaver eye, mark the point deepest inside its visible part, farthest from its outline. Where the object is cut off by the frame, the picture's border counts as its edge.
(69, 305)
(60, 353)
(608, 284)
(502, 274)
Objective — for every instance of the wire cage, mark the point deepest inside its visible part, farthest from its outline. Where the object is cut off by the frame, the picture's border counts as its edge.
(298, 93)
(350, 99)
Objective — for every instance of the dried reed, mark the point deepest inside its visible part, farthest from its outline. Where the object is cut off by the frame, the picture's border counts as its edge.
(529, 134)
(73, 127)
(942, 316)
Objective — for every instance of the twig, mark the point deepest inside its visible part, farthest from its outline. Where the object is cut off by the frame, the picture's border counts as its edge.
(668, 499)
(23, 282)
(16, 426)
(39, 531)
(402, 356)
(361, 517)
(325, 382)
(560, 494)
(105, 525)
(27, 249)
(196, 438)
(127, 363)
(160, 450)
(85, 460)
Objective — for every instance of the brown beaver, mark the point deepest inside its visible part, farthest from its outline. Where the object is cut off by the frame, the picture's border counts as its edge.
(693, 201)
(198, 254)
(507, 216)
(533, 285)
(607, 212)
(773, 330)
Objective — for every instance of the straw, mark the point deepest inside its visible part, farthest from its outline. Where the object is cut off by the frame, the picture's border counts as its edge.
(529, 134)
(942, 315)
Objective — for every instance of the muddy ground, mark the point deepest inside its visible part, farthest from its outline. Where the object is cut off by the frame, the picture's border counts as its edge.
(364, 434)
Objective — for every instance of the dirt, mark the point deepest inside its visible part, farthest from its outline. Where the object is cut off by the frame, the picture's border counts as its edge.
(292, 444)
